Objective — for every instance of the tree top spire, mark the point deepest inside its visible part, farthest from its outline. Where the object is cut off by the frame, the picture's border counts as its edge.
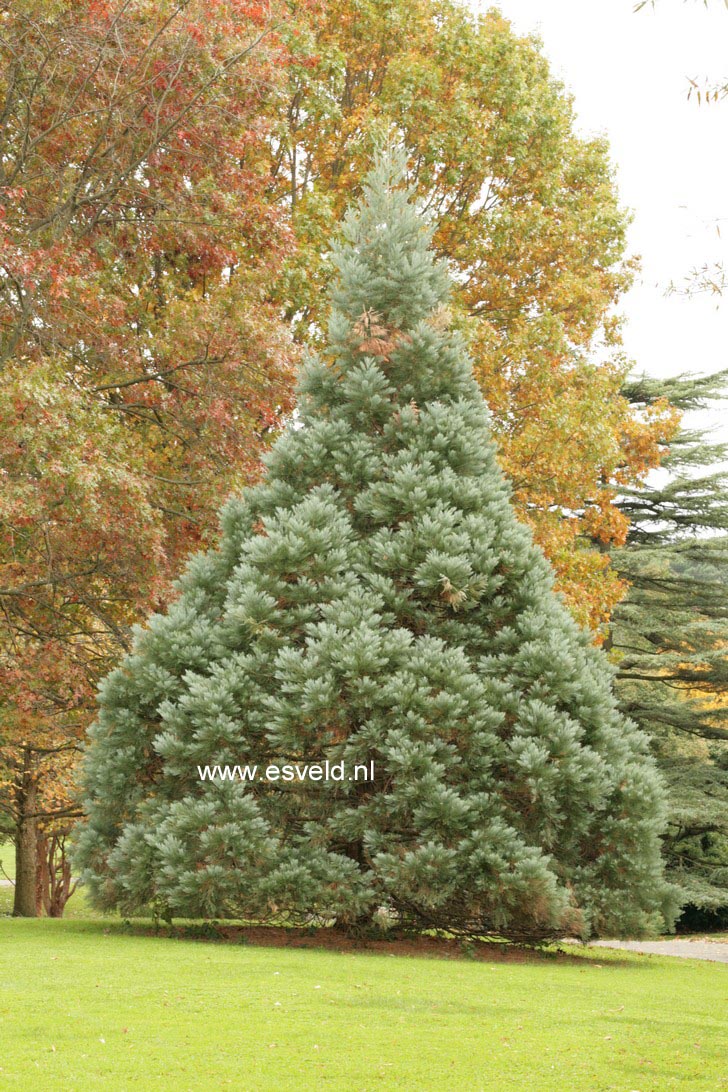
(384, 265)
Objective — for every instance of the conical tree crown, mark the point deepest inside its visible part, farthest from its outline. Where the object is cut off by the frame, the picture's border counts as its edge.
(375, 604)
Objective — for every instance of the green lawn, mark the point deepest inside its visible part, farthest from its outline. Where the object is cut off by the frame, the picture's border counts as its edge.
(85, 1005)
(7, 861)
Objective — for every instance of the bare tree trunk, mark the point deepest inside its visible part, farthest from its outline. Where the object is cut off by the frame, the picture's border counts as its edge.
(25, 905)
(42, 875)
(54, 886)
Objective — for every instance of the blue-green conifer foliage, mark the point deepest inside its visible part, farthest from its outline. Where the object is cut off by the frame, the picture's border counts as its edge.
(375, 602)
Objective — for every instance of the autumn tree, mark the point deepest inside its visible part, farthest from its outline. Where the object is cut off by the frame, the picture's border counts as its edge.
(528, 219)
(143, 362)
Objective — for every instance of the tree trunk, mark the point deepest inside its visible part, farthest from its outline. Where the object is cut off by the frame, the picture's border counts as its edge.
(42, 875)
(54, 886)
(25, 905)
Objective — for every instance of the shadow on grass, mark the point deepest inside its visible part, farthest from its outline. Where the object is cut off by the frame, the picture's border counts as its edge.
(330, 939)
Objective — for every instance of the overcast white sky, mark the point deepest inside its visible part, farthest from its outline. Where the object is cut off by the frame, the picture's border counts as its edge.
(628, 73)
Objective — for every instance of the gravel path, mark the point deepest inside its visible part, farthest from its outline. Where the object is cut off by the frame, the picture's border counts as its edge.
(714, 950)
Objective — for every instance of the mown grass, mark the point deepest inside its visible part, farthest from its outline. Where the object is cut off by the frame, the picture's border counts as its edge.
(86, 1005)
(7, 861)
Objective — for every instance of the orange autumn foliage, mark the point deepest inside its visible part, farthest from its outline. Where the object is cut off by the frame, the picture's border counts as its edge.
(144, 363)
(527, 216)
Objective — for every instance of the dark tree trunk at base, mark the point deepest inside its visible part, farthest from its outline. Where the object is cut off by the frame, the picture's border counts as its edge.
(25, 905)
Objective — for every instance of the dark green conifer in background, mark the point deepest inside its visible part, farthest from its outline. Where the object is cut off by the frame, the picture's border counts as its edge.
(375, 601)
(670, 638)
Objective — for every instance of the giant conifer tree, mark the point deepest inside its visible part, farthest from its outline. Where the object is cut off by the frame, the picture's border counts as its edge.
(375, 601)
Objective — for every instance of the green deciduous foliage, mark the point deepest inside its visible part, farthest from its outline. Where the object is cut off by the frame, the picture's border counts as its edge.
(375, 600)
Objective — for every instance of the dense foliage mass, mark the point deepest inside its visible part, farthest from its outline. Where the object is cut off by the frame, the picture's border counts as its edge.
(670, 638)
(170, 175)
(375, 602)
(142, 362)
(527, 215)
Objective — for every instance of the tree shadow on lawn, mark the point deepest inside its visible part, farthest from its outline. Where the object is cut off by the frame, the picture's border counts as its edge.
(402, 945)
